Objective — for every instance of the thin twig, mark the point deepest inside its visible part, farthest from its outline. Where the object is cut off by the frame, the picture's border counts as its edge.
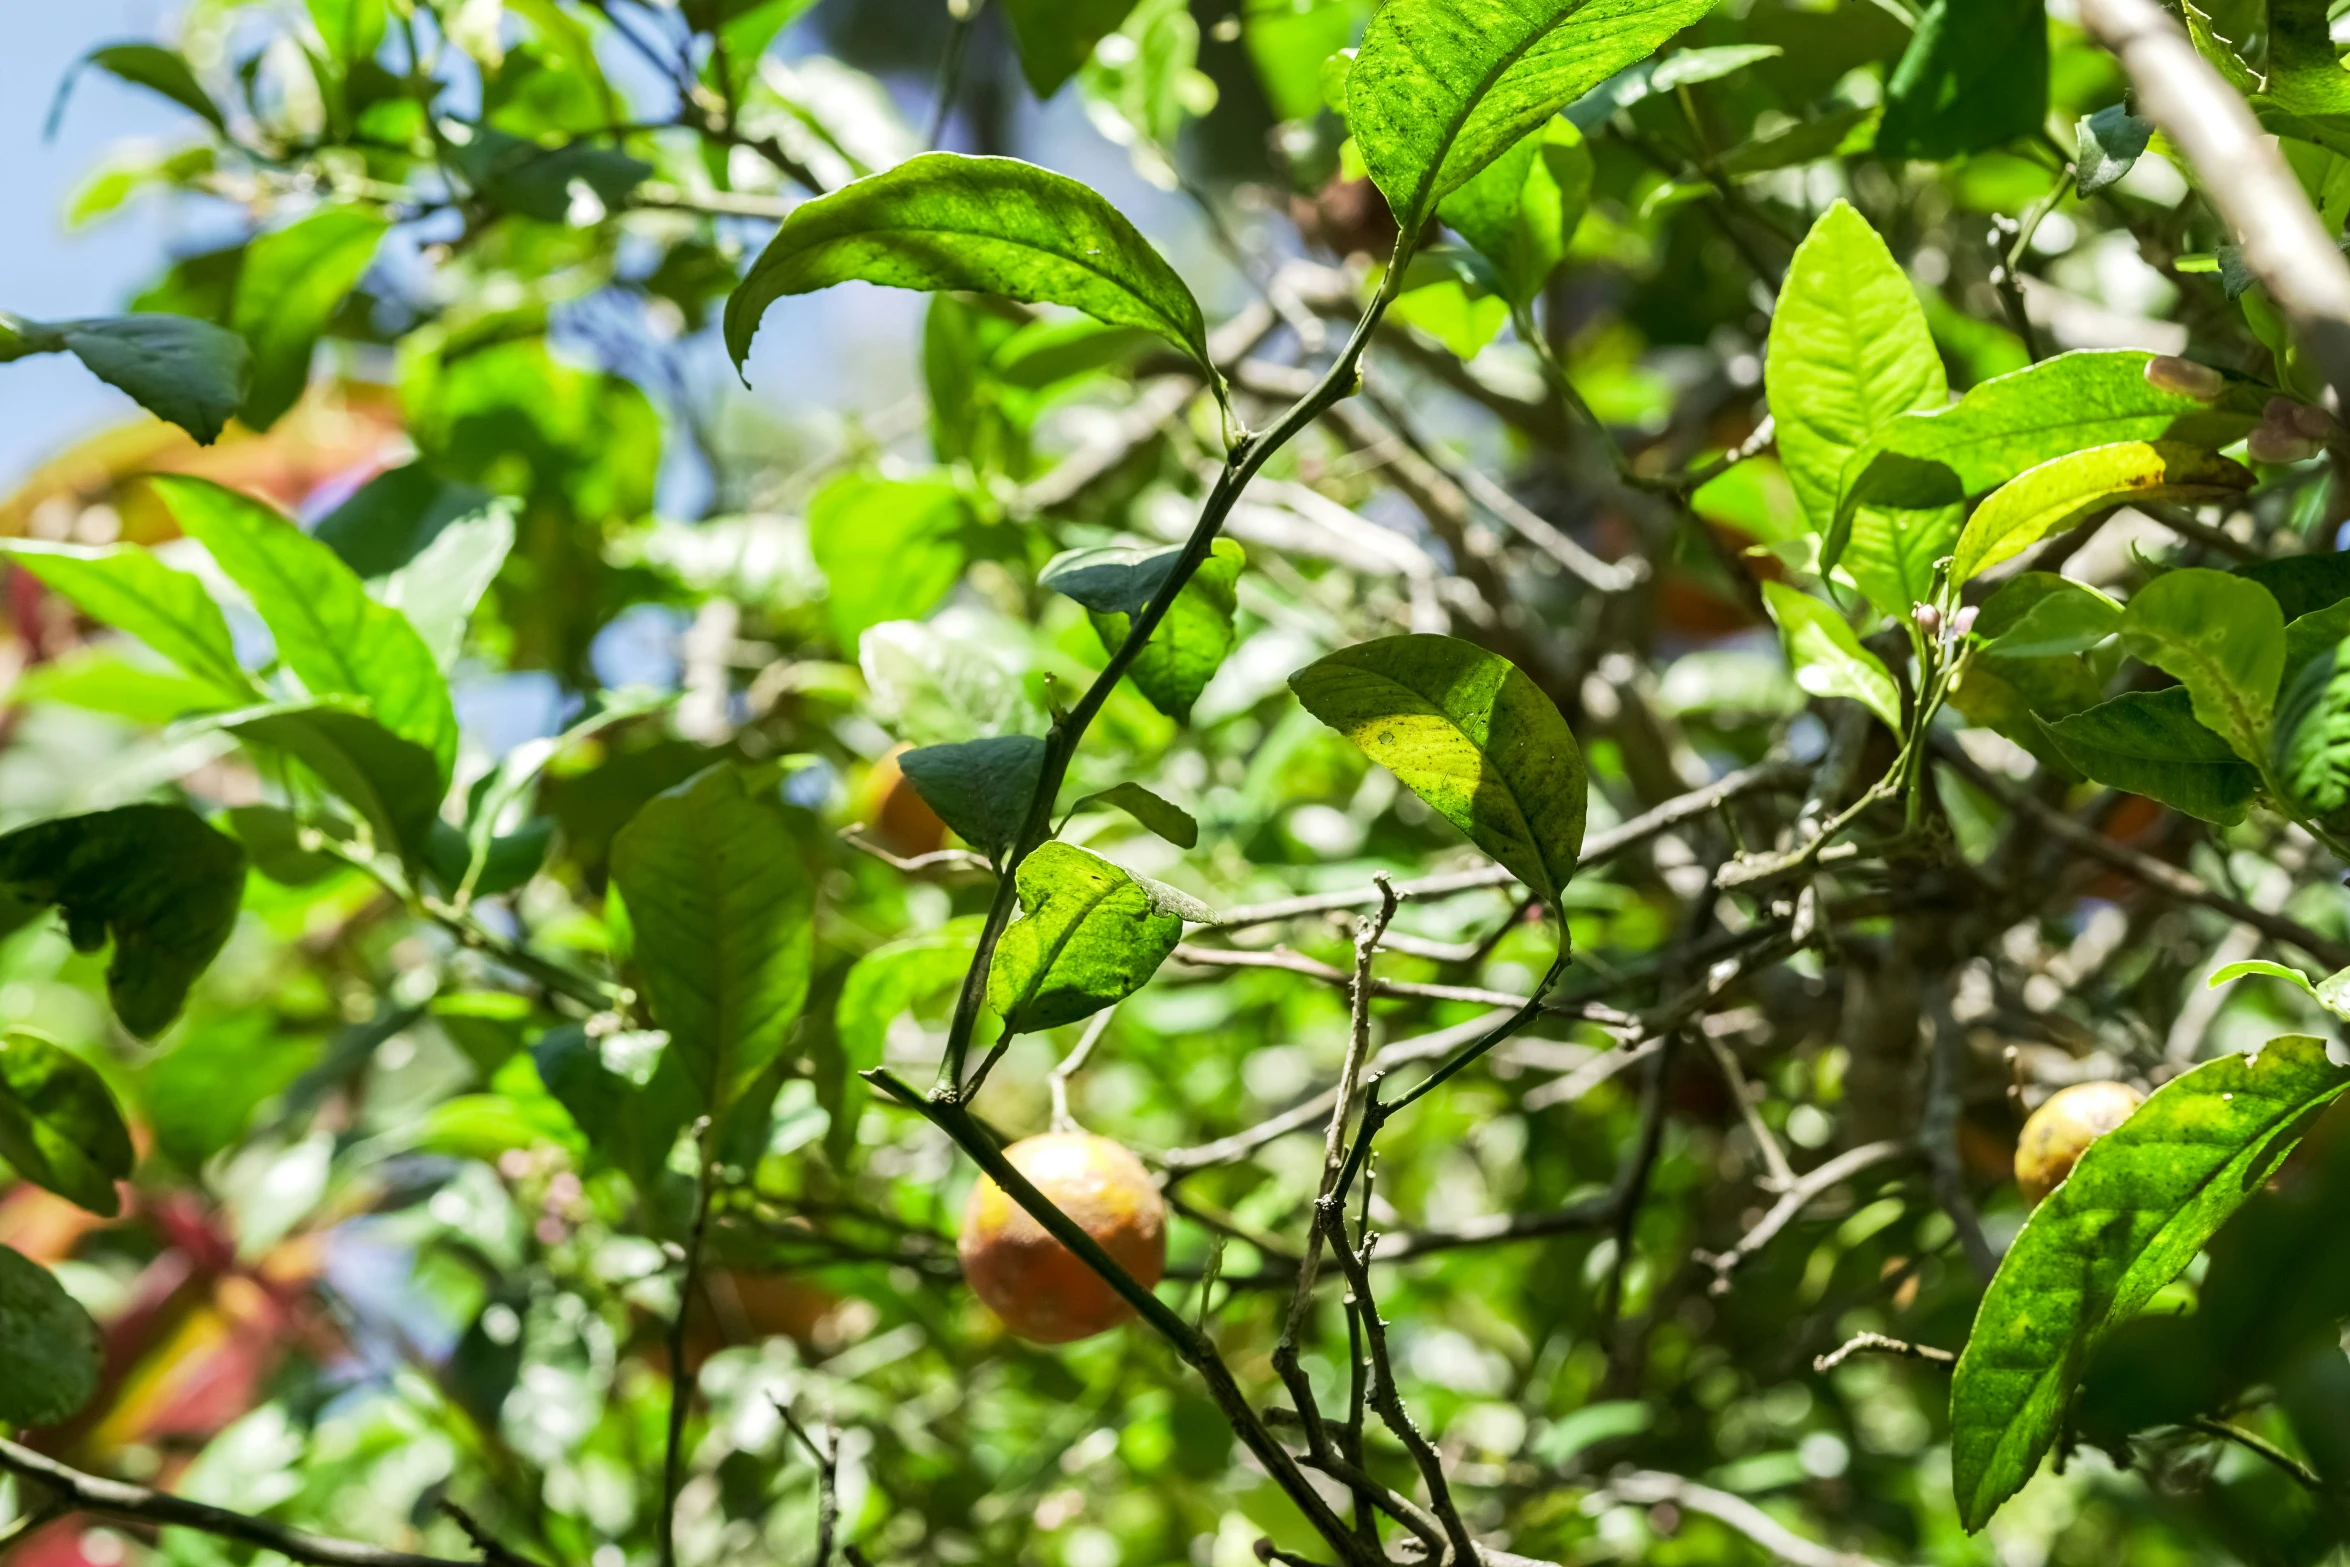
(87, 1493)
(1057, 1081)
(1880, 1344)
(680, 1384)
(1807, 1186)
(1647, 1488)
(2253, 1442)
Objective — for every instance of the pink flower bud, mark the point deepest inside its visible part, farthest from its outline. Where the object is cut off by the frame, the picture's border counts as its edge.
(2166, 373)
(1964, 621)
(2270, 444)
(1929, 618)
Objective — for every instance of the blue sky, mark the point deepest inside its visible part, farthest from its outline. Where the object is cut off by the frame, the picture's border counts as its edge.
(820, 352)
(45, 272)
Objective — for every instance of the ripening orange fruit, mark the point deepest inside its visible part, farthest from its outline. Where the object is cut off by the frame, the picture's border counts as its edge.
(894, 812)
(2057, 1133)
(1039, 1288)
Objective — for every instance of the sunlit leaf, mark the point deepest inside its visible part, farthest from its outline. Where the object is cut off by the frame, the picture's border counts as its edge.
(1440, 88)
(2136, 1209)
(1827, 657)
(720, 904)
(1467, 732)
(2223, 639)
(329, 631)
(985, 225)
(2067, 490)
(1089, 934)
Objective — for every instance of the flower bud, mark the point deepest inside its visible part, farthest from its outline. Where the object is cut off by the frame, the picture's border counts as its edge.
(2316, 423)
(2269, 443)
(1964, 621)
(2167, 373)
(1929, 618)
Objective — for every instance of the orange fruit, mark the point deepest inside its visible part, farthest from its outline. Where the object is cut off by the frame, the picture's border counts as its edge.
(894, 812)
(1039, 1288)
(2061, 1130)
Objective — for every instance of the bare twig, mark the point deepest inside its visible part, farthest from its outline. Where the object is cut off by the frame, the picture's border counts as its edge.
(2244, 177)
(1358, 1050)
(1057, 1081)
(2254, 1442)
(913, 865)
(2145, 868)
(1599, 846)
(74, 1491)
(1880, 1344)
(1807, 1186)
(1647, 1487)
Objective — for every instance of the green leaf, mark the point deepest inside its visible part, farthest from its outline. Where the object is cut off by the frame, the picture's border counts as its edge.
(353, 29)
(280, 845)
(1849, 349)
(1827, 657)
(1055, 37)
(1111, 579)
(980, 788)
(2332, 992)
(2223, 639)
(1162, 816)
(2014, 422)
(395, 785)
(1522, 208)
(1440, 88)
(329, 632)
(535, 181)
(158, 881)
(180, 369)
(1288, 41)
(2109, 143)
(159, 70)
(891, 980)
(1089, 935)
(441, 587)
(2141, 1203)
(2149, 743)
(50, 1352)
(627, 1092)
(59, 1126)
(293, 281)
(1467, 732)
(200, 1097)
(1975, 75)
(104, 677)
(394, 517)
(2038, 614)
(2302, 584)
(721, 907)
(1682, 68)
(890, 549)
(1840, 131)
(1190, 642)
(2305, 75)
(130, 590)
(2067, 490)
(981, 225)
(2310, 749)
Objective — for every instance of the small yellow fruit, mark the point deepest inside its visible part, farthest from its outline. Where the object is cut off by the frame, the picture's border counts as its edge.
(1040, 1289)
(2059, 1132)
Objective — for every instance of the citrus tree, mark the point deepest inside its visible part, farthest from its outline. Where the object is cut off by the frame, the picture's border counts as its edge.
(1516, 820)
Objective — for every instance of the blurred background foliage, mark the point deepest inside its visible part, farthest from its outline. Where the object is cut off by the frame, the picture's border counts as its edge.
(380, 1250)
